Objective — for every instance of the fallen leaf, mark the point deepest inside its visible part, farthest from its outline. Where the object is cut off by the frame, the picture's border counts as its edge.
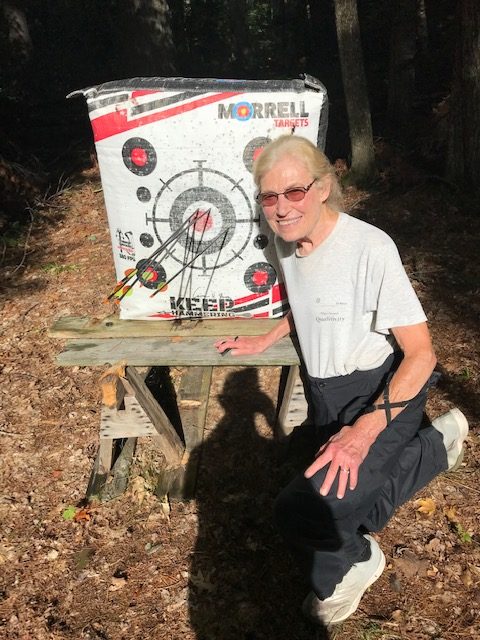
(451, 514)
(467, 578)
(116, 584)
(69, 513)
(84, 515)
(410, 565)
(426, 506)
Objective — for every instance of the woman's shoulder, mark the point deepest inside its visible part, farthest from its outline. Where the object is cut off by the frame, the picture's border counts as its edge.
(365, 233)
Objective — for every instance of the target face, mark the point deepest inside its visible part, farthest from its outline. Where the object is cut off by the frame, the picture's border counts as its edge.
(139, 157)
(151, 274)
(260, 277)
(252, 150)
(222, 233)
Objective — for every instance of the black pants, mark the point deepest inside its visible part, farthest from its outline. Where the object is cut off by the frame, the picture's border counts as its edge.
(325, 533)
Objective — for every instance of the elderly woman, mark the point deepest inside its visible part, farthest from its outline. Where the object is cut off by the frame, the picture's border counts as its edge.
(369, 358)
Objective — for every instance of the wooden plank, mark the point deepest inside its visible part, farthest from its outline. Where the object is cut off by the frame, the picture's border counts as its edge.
(126, 423)
(118, 481)
(293, 410)
(112, 327)
(166, 437)
(101, 469)
(175, 351)
(193, 396)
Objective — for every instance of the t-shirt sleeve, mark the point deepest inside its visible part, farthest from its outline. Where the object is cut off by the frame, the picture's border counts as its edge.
(392, 296)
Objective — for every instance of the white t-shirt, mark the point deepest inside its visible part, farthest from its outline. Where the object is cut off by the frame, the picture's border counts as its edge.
(345, 297)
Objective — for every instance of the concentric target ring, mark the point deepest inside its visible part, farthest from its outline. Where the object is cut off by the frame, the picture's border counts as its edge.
(139, 156)
(260, 277)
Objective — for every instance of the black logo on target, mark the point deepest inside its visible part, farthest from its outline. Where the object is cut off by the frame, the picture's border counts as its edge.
(139, 156)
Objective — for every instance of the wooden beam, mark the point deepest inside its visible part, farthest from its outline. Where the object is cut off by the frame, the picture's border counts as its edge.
(166, 438)
(112, 327)
(193, 396)
(176, 351)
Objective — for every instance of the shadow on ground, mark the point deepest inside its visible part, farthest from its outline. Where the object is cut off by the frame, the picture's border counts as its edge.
(243, 584)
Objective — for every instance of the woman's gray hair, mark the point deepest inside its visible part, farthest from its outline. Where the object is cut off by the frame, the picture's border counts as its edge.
(303, 150)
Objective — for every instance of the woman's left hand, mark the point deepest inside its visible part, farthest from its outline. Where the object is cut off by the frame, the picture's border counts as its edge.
(345, 452)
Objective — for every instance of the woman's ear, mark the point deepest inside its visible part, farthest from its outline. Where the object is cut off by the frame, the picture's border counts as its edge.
(324, 187)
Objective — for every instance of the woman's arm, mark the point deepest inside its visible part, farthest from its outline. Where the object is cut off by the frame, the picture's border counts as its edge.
(248, 345)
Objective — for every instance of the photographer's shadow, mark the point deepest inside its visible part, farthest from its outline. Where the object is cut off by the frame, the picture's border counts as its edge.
(243, 585)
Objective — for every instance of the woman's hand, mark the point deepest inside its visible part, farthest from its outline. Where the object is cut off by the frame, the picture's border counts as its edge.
(242, 345)
(344, 452)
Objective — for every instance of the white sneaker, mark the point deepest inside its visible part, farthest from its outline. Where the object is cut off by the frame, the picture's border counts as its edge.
(348, 593)
(453, 426)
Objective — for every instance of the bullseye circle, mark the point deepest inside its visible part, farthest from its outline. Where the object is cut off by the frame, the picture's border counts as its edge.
(139, 156)
(217, 227)
(242, 111)
(260, 277)
(252, 150)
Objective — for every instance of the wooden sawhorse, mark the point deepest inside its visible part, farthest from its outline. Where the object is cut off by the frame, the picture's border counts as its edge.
(131, 348)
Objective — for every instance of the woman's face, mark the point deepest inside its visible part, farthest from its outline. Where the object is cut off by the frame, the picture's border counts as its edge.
(294, 221)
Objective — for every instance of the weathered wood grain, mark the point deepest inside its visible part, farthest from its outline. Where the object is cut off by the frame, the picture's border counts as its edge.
(112, 327)
(176, 351)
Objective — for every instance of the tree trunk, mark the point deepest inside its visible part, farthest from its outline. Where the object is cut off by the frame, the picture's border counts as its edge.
(18, 32)
(145, 41)
(179, 34)
(240, 40)
(363, 168)
(463, 157)
(401, 80)
(279, 32)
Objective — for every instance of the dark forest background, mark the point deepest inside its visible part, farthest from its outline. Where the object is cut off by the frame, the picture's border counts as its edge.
(403, 76)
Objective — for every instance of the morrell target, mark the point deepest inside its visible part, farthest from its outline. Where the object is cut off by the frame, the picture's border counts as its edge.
(176, 158)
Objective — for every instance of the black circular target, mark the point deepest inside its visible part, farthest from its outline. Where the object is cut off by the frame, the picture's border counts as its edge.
(259, 277)
(139, 156)
(252, 150)
(151, 274)
(146, 240)
(260, 241)
(143, 194)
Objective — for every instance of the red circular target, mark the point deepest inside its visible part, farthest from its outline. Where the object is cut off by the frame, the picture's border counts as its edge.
(259, 277)
(139, 156)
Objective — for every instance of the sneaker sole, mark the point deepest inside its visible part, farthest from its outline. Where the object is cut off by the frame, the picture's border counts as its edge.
(463, 429)
(375, 576)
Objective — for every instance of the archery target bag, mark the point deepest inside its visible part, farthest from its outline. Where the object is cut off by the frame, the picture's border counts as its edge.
(175, 158)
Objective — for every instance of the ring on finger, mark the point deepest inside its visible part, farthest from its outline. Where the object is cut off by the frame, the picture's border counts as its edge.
(345, 469)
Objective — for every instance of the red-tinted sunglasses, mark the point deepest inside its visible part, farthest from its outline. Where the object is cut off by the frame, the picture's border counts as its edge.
(294, 194)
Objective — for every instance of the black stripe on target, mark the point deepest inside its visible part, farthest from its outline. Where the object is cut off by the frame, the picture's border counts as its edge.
(252, 150)
(139, 156)
(260, 277)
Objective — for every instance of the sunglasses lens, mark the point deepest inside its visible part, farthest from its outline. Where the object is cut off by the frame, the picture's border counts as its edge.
(267, 199)
(295, 195)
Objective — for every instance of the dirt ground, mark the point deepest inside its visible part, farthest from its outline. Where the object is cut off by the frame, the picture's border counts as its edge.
(214, 568)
